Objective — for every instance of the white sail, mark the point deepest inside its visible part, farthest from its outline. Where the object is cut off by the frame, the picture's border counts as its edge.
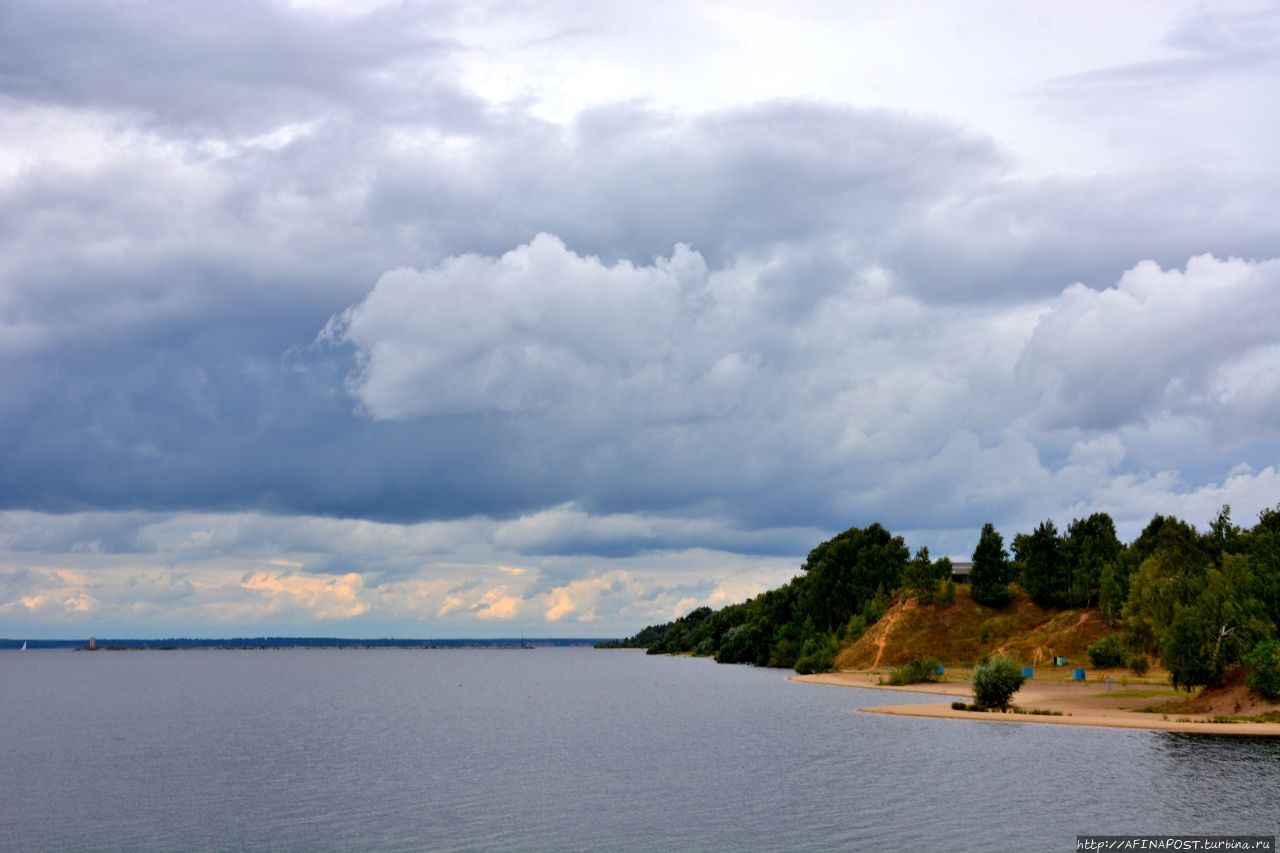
(24, 645)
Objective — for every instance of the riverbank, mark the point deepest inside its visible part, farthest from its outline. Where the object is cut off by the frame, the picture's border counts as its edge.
(1095, 703)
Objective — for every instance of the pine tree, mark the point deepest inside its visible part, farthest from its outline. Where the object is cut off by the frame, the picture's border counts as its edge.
(989, 577)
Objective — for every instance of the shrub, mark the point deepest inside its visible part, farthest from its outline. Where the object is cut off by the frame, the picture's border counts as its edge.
(984, 635)
(855, 627)
(1139, 664)
(817, 655)
(1109, 652)
(744, 644)
(995, 683)
(915, 672)
(959, 706)
(1264, 660)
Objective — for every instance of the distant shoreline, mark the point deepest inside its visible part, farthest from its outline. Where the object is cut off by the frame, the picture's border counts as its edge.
(287, 643)
(1091, 704)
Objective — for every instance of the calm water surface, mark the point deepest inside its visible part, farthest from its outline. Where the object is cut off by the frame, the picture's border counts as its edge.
(563, 749)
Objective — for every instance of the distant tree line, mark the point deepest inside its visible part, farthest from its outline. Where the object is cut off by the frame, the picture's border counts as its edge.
(1200, 602)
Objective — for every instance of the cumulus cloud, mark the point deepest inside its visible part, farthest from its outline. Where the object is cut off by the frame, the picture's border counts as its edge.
(1197, 341)
(318, 598)
(580, 599)
(516, 333)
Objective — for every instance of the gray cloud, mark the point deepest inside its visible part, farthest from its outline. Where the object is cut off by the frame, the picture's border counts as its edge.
(1211, 43)
(745, 327)
(239, 66)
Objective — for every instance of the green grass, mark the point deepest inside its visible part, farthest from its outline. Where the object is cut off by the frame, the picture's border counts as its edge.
(1268, 717)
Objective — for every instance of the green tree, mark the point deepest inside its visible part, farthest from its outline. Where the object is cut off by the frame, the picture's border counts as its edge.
(919, 578)
(843, 574)
(1262, 544)
(995, 683)
(1114, 585)
(1172, 577)
(744, 643)
(1040, 557)
(1264, 664)
(1215, 630)
(1089, 546)
(1224, 537)
(989, 577)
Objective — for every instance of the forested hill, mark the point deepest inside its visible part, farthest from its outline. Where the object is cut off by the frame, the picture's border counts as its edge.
(1200, 602)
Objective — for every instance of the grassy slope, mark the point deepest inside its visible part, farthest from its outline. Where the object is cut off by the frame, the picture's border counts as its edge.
(952, 634)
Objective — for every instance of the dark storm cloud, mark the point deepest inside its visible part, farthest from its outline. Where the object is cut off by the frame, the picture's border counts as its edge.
(810, 357)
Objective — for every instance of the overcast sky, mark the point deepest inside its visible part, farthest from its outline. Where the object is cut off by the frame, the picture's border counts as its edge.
(437, 320)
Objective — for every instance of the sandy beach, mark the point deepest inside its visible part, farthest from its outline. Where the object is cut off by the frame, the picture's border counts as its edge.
(1092, 703)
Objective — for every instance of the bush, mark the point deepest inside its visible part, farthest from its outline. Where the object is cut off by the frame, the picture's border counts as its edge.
(1264, 660)
(855, 627)
(1109, 652)
(915, 672)
(995, 683)
(959, 706)
(744, 644)
(1139, 664)
(817, 655)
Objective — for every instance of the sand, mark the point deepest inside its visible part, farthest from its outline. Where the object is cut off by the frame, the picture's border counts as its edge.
(1086, 704)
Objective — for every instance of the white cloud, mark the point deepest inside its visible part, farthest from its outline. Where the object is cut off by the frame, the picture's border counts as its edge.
(497, 604)
(580, 599)
(318, 598)
(1202, 341)
(516, 333)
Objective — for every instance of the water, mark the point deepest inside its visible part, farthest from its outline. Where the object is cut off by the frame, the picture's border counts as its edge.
(563, 749)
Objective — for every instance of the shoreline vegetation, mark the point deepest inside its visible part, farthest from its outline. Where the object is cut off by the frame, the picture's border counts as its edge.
(1176, 630)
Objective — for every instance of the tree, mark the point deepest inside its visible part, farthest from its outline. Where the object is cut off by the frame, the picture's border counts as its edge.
(1264, 663)
(744, 644)
(1090, 545)
(844, 574)
(1215, 630)
(995, 683)
(989, 577)
(1262, 543)
(919, 578)
(1113, 588)
(1172, 576)
(1044, 573)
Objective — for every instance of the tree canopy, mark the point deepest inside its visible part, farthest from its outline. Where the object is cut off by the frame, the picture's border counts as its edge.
(1200, 602)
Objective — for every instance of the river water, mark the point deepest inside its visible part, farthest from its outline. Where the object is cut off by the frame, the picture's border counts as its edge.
(564, 749)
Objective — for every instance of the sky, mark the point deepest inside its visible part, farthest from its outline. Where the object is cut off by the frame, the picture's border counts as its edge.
(434, 319)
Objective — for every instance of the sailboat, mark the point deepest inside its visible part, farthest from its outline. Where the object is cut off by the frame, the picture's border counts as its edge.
(24, 646)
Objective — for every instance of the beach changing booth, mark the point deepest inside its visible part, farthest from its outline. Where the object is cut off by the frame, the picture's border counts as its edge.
(1077, 675)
